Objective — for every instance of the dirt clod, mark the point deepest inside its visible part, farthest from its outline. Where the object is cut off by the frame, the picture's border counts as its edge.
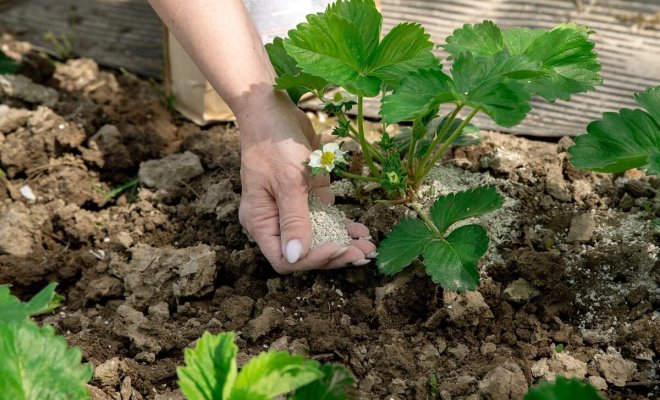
(505, 382)
(615, 369)
(170, 171)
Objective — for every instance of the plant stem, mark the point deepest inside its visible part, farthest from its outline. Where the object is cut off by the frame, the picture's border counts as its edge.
(355, 176)
(411, 150)
(373, 148)
(436, 142)
(446, 144)
(424, 217)
(363, 141)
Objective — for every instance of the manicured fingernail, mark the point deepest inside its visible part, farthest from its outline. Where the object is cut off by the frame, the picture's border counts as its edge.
(340, 252)
(373, 254)
(293, 250)
(361, 262)
(366, 238)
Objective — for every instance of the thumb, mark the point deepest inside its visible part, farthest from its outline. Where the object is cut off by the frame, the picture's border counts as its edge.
(295, 226)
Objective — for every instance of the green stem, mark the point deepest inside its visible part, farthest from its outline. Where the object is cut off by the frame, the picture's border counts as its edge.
(412, 148)
(436, 141)
(446, 144)
(363, 141)
(374, 151)
(355, 176)
(424, 217)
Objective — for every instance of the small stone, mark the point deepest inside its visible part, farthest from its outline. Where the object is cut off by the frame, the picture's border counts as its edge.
(626, 202)
(582, 228)
(487, 348)
(170, 171)
(555, 184)
(441, 344)
(598, 382)
(615, 368)
(520, 291)
(145, 356)
(21, 87)
(26, 191)
(108, 373)
(505, 382)
(124, 239)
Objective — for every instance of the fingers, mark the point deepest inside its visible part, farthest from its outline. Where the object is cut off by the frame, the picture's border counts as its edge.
(295, 226)
(356, 230)
(321, 189)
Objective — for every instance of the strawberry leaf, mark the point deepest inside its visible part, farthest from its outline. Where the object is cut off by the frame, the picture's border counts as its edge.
(37, 364)
(623, 140)
(479, 39)
(210, 369)
(403, 244)
(452, 261)
(563, 388)
(13, 310)
(336, 384)
(417, 96)
(272, 374)
(449, 209)
(568, 60)
(517, 40)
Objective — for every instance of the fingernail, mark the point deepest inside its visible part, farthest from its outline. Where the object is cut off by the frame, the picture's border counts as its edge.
(366, 238)
(293, 250)
(340, 252)
(373, 254)
(361, 262)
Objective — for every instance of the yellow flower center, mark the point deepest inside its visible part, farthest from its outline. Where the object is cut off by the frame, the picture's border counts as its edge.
(327, 158)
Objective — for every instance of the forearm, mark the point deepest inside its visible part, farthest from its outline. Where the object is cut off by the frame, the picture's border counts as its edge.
(220, 36)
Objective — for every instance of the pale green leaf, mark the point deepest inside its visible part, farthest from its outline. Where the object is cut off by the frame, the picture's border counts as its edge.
(650, 100)
(289, 76)
(452, 261)
(35, 364)
(451, 208)
(11, 309)
(272, 374)
(479, 39)
(210, 368)
(404, 49)
(402, 245)
(336, 384)
(517, 40)
(418, 95)
(568, 60)
(616, 143)
(562, 389)
(504, 99)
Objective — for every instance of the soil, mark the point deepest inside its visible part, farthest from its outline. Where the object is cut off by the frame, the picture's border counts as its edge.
(569, 284)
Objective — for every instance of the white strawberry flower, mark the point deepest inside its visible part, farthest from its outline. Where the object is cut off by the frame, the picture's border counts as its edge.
(327, 157)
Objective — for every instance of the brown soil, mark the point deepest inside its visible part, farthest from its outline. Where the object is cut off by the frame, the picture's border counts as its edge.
(146, 273)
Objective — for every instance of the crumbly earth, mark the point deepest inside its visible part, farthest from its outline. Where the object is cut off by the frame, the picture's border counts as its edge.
(569, 284)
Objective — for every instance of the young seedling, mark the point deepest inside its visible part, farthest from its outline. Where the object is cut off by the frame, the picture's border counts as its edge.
(494, 71)
(35, 363)
(211, 373)
(623, 140)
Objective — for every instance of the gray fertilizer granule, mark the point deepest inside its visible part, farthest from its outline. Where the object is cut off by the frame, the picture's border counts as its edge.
(327, 224)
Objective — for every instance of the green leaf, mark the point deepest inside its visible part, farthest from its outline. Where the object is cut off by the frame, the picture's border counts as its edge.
(210, 368)
(451, 208)
(272, 374)
(418, 95)
(561, 389)
(569, 62)
(341, 46)
(478, 39)
(654, 163)
(452, 261)
(289, 76)
(12, 310)
(8, 65)
(616, 143)
(336, 384)
(650, 100)
(470, 135)
(404, 49)
(402, 245)
(480, 82)
(36, 365)
(517, 40)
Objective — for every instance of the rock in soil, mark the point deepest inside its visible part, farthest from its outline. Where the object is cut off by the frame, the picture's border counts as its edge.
(109, 373)
(505, 382)
(327, 224)
(559, 364)
(170, 171)
(467, 308)
(20, 87)
(156, 274)
(520, 291)
(582, 228)
(616, 369)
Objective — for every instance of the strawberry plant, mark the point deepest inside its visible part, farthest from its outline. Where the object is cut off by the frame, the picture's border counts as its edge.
(211, 373)
(562, 388)
(35, 363)
(623, 140)
(494, 71)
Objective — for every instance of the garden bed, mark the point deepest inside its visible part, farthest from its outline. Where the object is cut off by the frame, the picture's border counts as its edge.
(569, 284)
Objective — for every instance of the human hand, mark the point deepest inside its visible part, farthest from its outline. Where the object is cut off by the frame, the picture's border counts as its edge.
(276, 140)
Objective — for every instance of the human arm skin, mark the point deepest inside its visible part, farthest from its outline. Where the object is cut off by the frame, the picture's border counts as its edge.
(276, 137)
